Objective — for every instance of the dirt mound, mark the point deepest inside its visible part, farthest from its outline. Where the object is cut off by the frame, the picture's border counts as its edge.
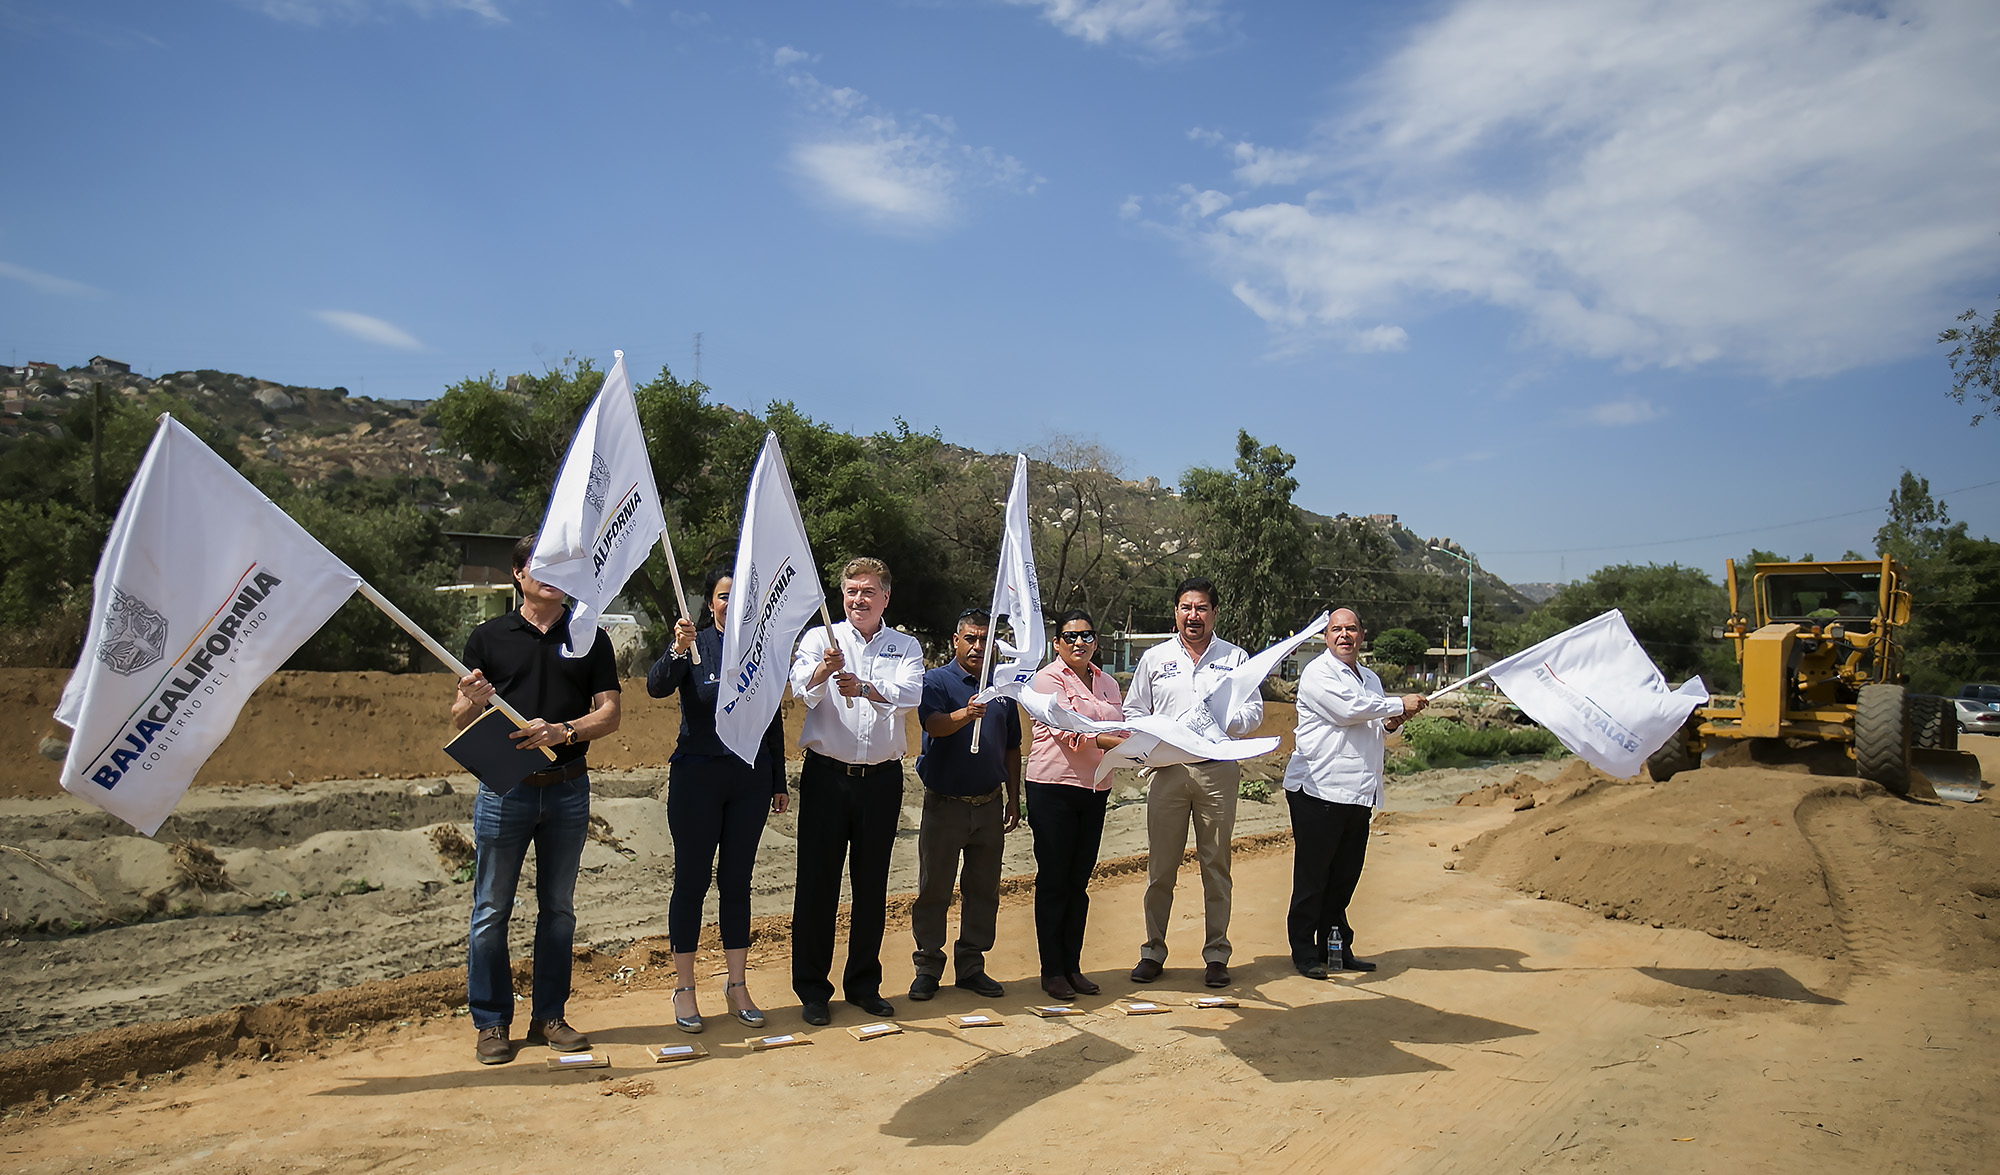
(1525, 791)
(1773, 857)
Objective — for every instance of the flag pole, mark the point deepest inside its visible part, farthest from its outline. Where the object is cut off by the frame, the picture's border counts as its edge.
(680, 593)
(985, 667)
(826, 618)
(1461, 683)
(408, 625)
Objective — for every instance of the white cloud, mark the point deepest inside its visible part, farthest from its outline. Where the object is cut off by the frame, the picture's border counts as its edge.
(314, 13)
(901, 175)
(369, 329)
(1629, 410)
(1164, 27)
(47, 283)
(1791, 186)
(786, 57)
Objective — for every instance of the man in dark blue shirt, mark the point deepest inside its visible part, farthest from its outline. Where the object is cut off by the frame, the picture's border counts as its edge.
(963, 816)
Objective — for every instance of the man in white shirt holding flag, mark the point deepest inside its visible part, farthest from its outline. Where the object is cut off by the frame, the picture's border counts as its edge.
(1174, 679)
(1333, 784)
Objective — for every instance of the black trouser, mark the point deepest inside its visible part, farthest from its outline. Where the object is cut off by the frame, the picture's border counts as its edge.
(713, 803)
(850, 818)
(1330, 842)
(1069, 824)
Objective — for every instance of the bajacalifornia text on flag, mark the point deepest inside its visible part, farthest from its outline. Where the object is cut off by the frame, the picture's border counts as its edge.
(1595, 688)
(604, 511)
(204, 589)
(775, 589)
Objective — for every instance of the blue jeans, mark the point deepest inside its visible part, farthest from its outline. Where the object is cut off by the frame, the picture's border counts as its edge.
(554, 820)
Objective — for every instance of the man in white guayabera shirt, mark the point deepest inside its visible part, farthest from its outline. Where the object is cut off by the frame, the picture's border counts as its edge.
(1174, 679)
(859, 682)
(1333, 785)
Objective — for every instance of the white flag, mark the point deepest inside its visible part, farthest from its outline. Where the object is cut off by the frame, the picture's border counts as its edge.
(1594, 688)
(1241, 684)
(1154, 740)
(204, 589)
(604, 513)
(1017, 595)
(776, 589)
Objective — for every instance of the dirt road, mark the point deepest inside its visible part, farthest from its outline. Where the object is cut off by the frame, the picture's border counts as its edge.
(1503, 1032)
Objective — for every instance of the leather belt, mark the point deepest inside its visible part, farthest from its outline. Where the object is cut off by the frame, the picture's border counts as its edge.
(858, 770)
(975, 801)
(558, 774)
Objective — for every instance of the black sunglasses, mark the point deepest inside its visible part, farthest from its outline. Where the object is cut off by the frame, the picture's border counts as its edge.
(1077, 638)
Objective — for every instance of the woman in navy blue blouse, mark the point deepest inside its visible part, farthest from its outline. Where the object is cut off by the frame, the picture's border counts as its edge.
(715, 809)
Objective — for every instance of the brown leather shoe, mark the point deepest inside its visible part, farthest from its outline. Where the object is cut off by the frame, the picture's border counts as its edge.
(1058, 988)
(493, 1048)
(1082, 984)
(558, 1035)
(1147, 971)
(1216, 975)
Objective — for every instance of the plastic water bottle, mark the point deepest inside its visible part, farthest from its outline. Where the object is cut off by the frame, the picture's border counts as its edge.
(1333, 951)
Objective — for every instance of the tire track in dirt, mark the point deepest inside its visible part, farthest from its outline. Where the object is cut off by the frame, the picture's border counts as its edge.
(1871, 905)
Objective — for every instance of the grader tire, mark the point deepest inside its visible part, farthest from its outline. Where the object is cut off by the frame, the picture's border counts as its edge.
(1882, 737)
(1672, 758)
(1933, 723)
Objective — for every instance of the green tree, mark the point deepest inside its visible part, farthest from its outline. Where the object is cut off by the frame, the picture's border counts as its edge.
(1400, 646)
(1974, 351)
(402, 551)
(1671, 610)
(1250, 539)
(1918, 525)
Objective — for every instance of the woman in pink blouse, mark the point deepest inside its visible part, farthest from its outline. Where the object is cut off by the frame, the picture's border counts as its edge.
(1066, 804)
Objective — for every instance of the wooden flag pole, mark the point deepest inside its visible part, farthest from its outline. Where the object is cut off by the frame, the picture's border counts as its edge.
(680, 593)
(826, 618)
(408, 625)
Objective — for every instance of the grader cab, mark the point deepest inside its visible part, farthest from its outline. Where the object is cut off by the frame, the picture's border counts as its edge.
(1824, 662)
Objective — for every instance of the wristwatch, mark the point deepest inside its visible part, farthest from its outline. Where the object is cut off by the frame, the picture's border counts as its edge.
(867, 690)
(569, 735)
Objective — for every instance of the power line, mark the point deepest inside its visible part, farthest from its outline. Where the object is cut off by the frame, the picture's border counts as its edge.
(1730, 534)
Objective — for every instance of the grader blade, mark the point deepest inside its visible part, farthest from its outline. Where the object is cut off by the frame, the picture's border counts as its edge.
(1959, 769)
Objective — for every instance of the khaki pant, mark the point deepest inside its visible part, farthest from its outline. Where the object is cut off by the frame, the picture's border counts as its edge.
(1204, 794)
(966, 841)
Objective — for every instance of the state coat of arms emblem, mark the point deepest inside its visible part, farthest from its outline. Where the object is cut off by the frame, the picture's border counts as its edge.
(135, 635)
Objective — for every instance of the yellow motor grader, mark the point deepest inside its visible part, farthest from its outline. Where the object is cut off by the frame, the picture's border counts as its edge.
(1824, 662)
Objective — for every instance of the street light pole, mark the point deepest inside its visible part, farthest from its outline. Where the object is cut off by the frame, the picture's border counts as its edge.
(1468, 604)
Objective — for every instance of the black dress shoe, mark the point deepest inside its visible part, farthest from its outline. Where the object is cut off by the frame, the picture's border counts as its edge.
(1147, 971)
(1058, 988)
(1215, 975)
(923, 987)
(1311, 968)
(981, 984)
(1082, 983)
(874, 1005)
(1349, 963)
(816, 1014)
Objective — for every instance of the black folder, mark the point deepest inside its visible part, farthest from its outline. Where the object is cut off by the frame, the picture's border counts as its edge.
(499, 762)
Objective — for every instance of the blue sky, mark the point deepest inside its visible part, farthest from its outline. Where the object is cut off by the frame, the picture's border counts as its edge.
(1575, 282)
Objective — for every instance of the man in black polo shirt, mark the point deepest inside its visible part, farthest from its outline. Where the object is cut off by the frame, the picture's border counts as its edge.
(569, 701)
(963, 816)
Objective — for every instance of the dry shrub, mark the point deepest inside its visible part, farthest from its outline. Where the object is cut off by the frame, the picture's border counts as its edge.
(199, 867)
(452, 845)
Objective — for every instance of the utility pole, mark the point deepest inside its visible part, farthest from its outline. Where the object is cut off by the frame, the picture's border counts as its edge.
(1468, 606)
(697, 356)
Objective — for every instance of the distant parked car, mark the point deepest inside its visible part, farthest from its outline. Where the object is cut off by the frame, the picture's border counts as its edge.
(1980, 690)
(1977, 717)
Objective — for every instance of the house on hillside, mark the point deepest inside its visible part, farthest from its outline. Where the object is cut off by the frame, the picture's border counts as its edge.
(35, 370)
(104, 366)
(485, 570)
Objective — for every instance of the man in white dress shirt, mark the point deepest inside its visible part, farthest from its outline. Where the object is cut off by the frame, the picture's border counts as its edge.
(1333, 785)
(1174, 679)
(858, 682)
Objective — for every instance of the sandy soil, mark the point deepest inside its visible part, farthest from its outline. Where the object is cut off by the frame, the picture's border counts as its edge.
(1503, 1032)
(1751, 968)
